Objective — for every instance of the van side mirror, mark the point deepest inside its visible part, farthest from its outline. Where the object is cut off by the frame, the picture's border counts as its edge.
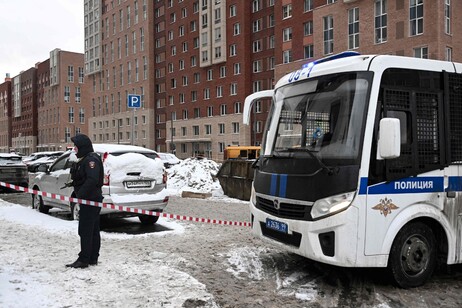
(389, 139)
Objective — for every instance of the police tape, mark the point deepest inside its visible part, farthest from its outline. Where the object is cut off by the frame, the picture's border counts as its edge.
(124, 208)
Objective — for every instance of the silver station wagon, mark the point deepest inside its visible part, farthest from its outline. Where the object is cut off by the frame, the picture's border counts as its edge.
(133, 176)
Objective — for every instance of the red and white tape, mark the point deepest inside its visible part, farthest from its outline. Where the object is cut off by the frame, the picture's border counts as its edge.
(125, 208)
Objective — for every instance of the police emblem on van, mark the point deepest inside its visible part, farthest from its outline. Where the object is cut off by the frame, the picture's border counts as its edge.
(385, 206)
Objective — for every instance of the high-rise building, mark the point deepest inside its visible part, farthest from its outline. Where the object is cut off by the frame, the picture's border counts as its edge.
(194, 62)
(125, 37)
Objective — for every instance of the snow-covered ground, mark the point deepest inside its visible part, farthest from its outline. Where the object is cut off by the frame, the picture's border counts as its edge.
(32, 275)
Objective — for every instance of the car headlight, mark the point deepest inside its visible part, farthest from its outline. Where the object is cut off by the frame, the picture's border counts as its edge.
(331, 205)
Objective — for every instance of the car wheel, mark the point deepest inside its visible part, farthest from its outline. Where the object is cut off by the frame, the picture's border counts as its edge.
(37, 203)
(75, 210)
(413, 255)
(148, 220)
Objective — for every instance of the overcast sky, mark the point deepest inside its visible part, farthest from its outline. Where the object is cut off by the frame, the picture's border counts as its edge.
(30, 29)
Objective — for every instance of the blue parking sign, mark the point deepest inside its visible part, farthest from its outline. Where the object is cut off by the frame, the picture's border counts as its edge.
(134, 101)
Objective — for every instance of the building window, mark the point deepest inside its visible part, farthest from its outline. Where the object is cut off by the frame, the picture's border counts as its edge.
(232, 10)
(232, 50)
(353, 28)
(237, 68)
(236, 29)
(271, 42)
(257, 46)
(81, 75)
(257, 25)
(448, 52)
(77, 94)
(208, 129)
(206, 93)
(197, 113)
(308, 51)
(221, 147)
(237, 107)
(286, 34)
(308, 28)
(210, 111)
(271, 21)
(256, 6)
(307, 5)
(195, 130)
(233, 89)
(257, 86)
(222, 71)
(67, 93)
(328, 31)
(71, 114)
(287, 11)
(70, 73)
(257, 66)
(416, 13)
(221, 128)
(287, 56)
(223, 109)
(235, 127)
(421, 52)
(380, 23)
(219, 91)
(447, 16)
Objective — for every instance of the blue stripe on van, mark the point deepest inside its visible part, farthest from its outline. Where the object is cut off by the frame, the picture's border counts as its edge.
(273, 185)
(283, 186)
(409, 186)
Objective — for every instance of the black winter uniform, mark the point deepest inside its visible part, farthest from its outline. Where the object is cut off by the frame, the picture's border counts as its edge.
(87, 178)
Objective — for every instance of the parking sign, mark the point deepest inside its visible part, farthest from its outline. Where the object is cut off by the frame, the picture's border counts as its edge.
(134, 101)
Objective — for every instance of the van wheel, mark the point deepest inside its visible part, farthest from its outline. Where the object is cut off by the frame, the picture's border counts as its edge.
(37, 204)
(75, 211)
(148, 220)
(413, 255)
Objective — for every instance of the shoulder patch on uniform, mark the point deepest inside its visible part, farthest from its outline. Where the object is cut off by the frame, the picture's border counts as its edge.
(91, 164)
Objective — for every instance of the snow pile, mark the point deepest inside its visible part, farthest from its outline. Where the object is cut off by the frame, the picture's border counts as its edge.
(194, 175)
(119, 166)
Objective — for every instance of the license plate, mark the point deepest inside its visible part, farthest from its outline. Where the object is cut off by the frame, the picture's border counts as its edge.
(138, 184)
(276, 225)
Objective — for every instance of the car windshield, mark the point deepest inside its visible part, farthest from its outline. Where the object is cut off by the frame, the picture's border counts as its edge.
(322, 116)
(10, 160)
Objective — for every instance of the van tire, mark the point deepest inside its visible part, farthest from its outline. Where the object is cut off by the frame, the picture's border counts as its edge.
(412, 257)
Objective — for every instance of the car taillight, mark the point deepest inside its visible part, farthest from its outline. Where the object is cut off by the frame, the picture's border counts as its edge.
(164, 178)
(106, 179)
(105, 155)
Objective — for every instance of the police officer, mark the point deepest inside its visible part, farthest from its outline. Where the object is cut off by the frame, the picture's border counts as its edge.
(87, 178)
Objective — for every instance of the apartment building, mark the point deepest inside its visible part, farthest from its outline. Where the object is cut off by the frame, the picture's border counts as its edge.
(413, 28)
(62, 100)
(118, 68)
(43, 107)
(5, 115)
(24, 112)
(209, 55)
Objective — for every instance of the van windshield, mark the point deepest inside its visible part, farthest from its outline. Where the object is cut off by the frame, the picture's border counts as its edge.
(322, 116)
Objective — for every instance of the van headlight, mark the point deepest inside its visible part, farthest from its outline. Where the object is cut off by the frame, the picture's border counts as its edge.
(331, 205)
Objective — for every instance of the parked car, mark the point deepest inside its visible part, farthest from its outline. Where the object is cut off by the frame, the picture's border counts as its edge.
(169, 159)
(32, 166)
(13, 170)
(133, 177)
(30, 159)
